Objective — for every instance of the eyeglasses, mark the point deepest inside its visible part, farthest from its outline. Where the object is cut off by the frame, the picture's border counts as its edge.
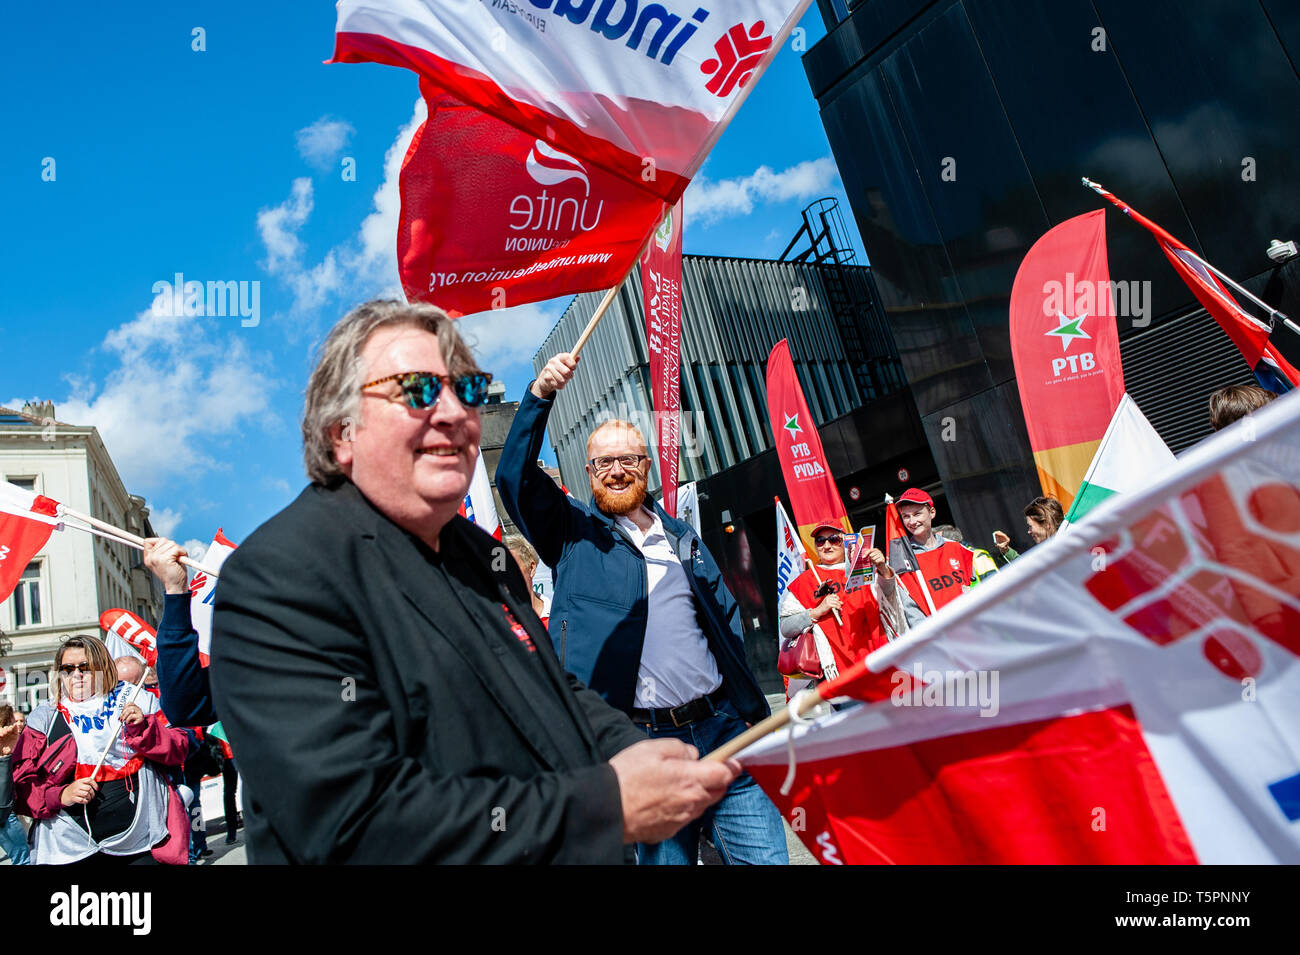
(835, 539)
(75, 668)
(421, 389)
(603, 463)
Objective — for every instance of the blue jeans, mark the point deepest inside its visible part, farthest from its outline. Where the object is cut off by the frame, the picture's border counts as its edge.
(13, 839)
(745, 827)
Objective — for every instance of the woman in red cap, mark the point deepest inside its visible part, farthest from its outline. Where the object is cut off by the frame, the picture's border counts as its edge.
(815, 595)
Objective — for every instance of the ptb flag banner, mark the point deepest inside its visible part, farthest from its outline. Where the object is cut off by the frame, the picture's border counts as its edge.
(661, 293)
(1125, 693)
(1065, 346)
(813, 495)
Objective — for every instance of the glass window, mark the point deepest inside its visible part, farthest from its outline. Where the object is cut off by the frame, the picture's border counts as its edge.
(27, 597)
(26, 483)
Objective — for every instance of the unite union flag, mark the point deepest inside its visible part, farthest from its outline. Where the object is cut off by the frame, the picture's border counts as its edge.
(558, 130)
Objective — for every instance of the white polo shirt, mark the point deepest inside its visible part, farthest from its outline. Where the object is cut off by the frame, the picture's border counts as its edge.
(676, 663)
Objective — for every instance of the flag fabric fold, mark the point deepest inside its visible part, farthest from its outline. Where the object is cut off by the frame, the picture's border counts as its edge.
(203, 589)
(126, 635)
(26, 521)
(1126, 693)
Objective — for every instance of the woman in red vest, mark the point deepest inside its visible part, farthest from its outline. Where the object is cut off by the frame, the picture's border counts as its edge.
(815, 594)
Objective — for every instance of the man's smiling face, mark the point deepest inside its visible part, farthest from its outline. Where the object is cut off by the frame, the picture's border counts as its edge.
(411, 464)
(618, 489)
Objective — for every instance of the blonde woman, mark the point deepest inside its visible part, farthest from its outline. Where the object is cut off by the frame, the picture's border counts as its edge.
(120, 813)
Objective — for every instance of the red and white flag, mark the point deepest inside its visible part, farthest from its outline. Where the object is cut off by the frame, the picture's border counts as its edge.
(126, 635)
(808, 480)
(1126, 693)
(26, 521)
(1248, 333)
(479, 506)
(610, 100)
(203, 588)
(661, 292)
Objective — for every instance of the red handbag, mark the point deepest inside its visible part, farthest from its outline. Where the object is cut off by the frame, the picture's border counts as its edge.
(799, 657)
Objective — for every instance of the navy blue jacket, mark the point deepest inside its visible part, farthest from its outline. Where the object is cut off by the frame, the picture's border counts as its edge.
(598, 613)
(182, 683)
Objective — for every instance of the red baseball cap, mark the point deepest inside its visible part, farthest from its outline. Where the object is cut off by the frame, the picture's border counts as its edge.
(914, 495)
(833, 525)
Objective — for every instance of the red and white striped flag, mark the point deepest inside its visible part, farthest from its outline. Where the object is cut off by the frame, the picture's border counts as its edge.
(26, 521)
(541, 111)
(1126, 693)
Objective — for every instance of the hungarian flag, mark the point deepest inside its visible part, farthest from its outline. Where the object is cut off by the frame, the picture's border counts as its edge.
(1131, 454)
(1065, 347)
(1248, 333)
(126, 635)
(26, 521)
(479, 506)
(661, 293)
(814, 498)
(580, 102)
(1129, 693)
(203, 588)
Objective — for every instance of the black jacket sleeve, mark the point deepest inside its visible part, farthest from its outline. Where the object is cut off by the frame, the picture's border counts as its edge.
(297, 687)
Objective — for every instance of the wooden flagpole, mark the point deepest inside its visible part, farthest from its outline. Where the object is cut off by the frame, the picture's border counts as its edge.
(761, 729)
(608, 300)
(135, 691)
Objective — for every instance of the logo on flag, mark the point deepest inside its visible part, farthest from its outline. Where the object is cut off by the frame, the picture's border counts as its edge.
(739, 51)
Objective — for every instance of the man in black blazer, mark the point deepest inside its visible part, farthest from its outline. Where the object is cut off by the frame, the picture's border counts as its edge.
(385, 684)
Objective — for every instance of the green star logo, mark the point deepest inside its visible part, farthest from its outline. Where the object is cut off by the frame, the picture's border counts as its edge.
(1069, 330)
(792, 425)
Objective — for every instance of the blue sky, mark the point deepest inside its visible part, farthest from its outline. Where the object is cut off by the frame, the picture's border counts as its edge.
(224, 165)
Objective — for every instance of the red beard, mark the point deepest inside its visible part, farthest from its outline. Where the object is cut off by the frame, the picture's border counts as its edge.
(624, 502)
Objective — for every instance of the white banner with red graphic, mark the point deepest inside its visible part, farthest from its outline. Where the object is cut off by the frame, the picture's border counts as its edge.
(661, 294)
(126, 635)
(203, 589)
(556, 129)
(642, 89)
(1126, 693)
(27, 520)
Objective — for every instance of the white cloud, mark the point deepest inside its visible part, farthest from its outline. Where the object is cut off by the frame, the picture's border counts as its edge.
(708, 201)
(279, 228)
(195, 548)
(508, 336)
(164, 521)
(364, 266)
(173, 389)
(322, 141)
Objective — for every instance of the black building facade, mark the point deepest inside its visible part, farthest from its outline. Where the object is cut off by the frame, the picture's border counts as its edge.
(961, 131)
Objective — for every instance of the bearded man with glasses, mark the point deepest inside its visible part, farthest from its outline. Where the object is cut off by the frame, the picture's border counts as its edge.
(641, 614)
(376, 660)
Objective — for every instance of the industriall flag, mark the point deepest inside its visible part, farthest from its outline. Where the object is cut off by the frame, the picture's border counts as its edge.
(27, 520)
(126, 635)
(1248, 333)
(1125, 693)
(618, 92)
(814, 498)
(203, 589)
(661, 292)
(1065, 346)
(1131, 454)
